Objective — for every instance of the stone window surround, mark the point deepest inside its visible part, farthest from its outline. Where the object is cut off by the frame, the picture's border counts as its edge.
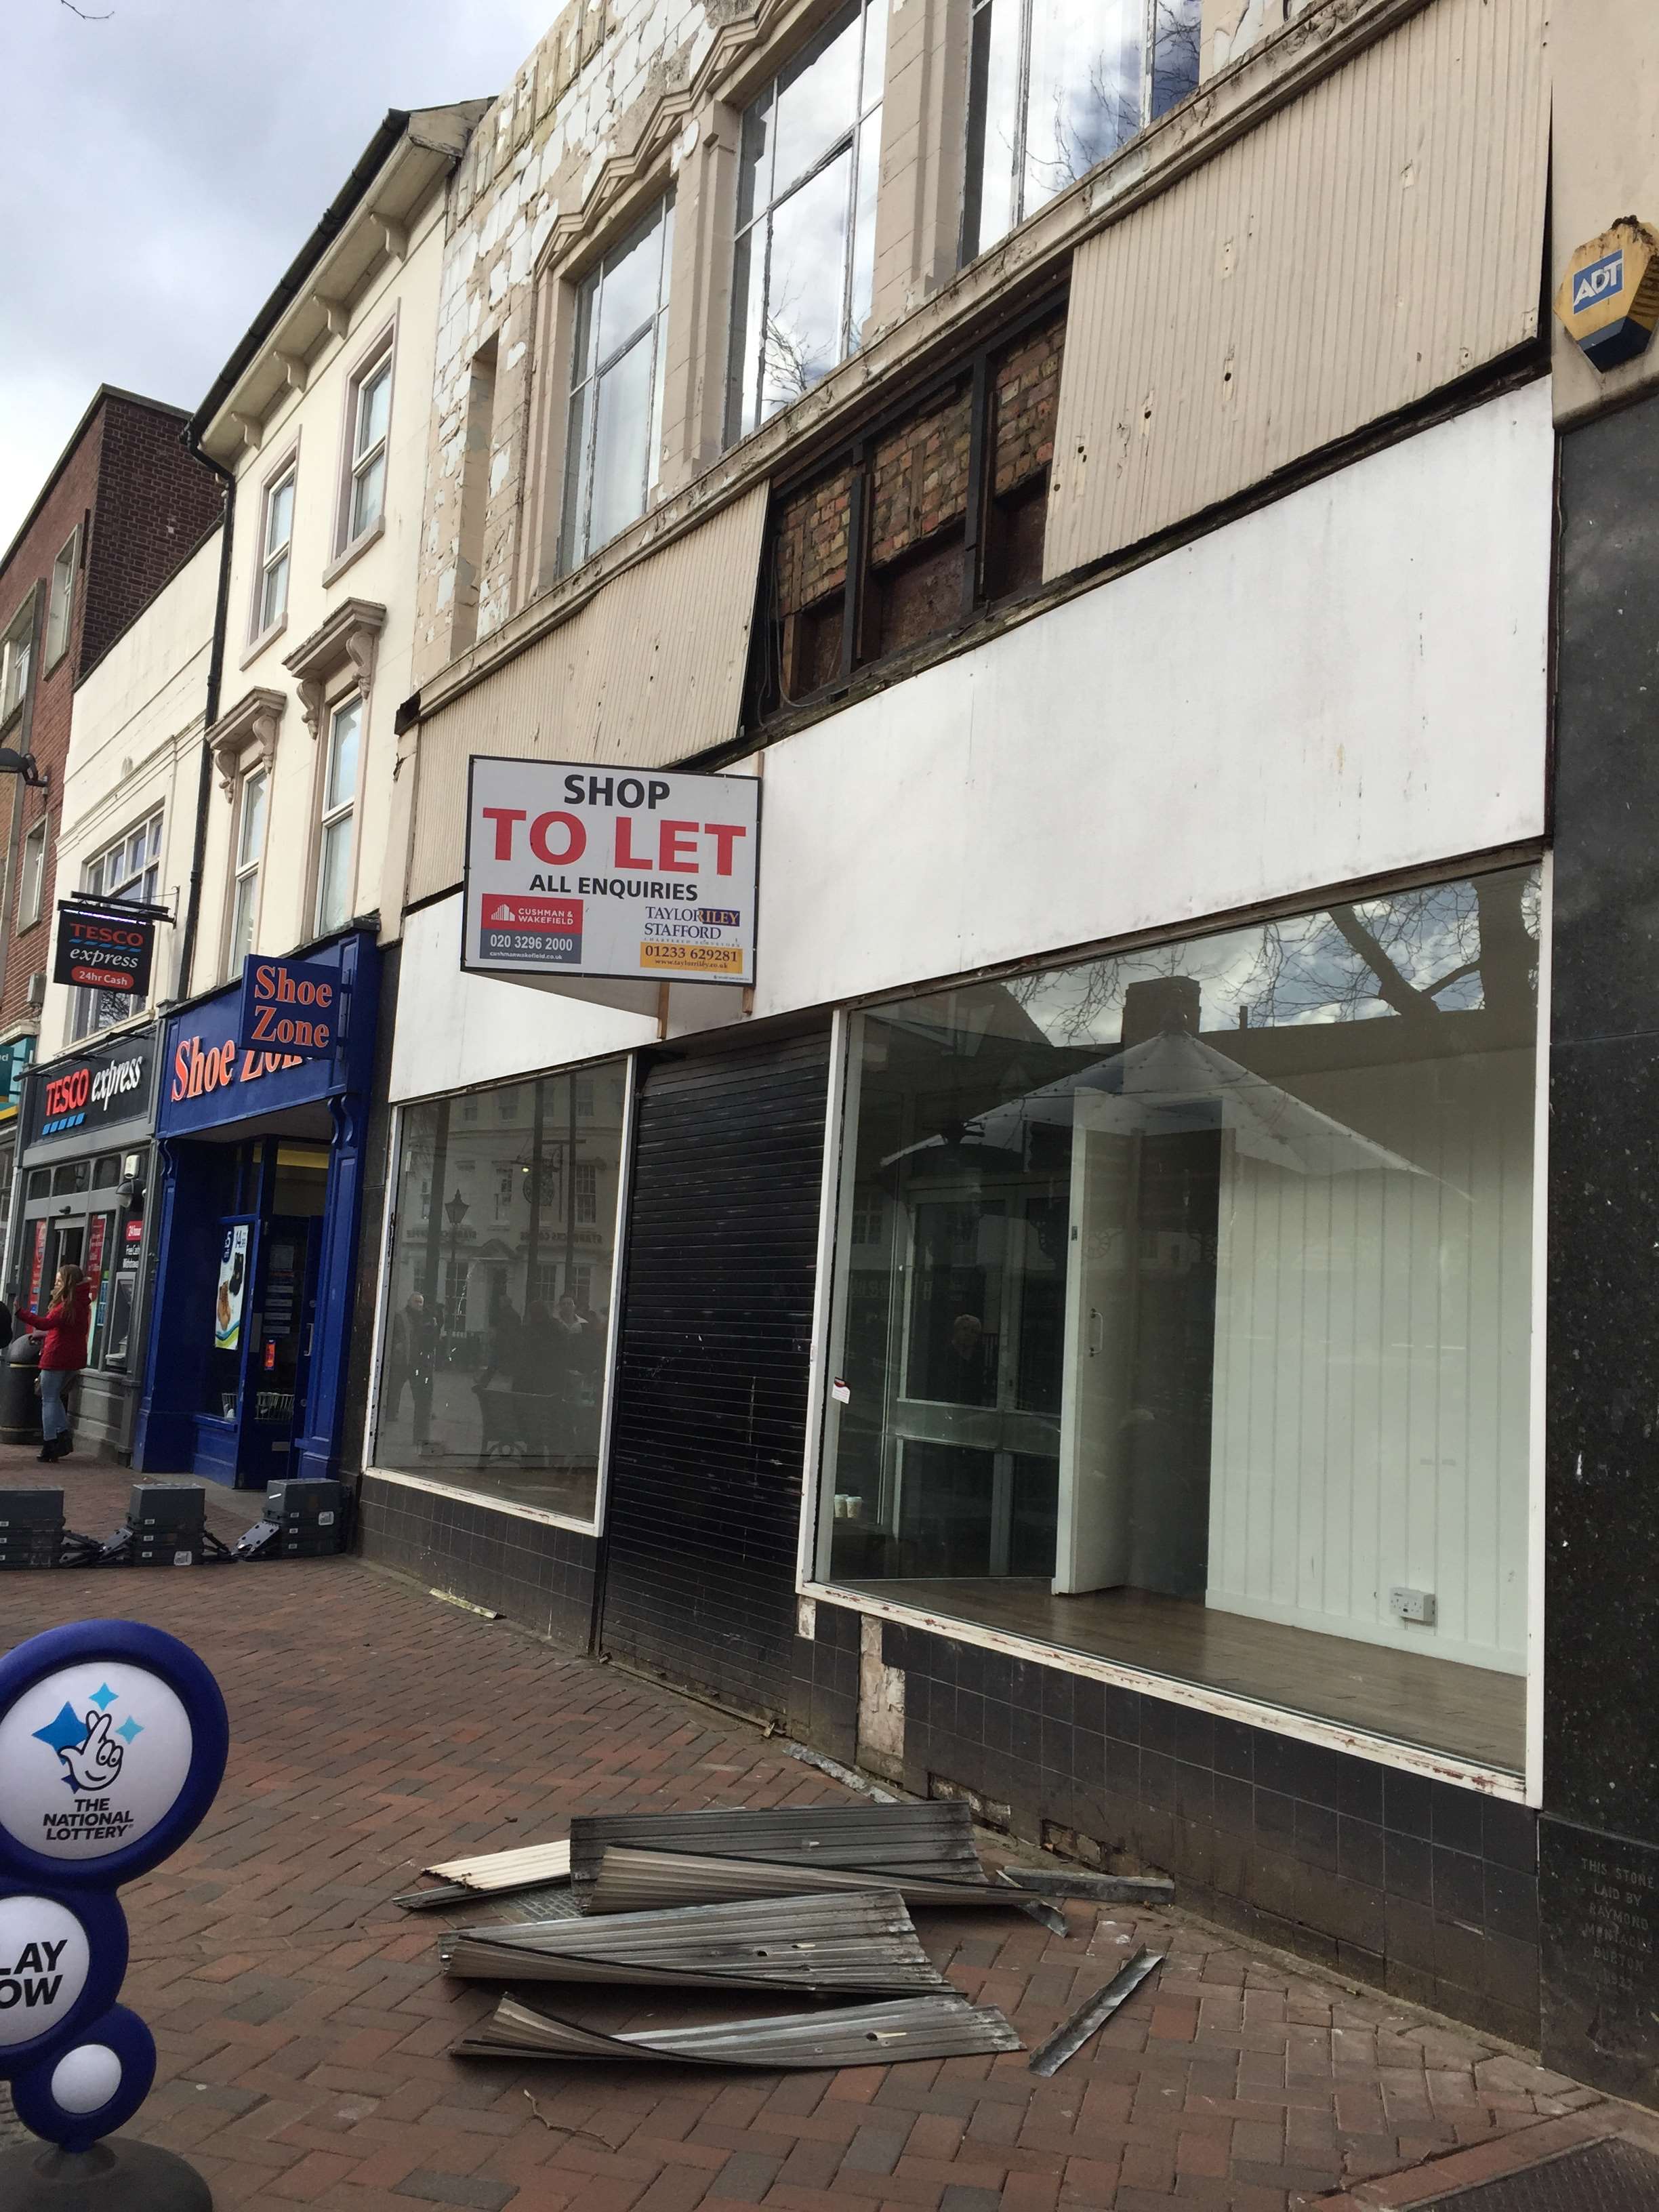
(338, 656)
(245, 737)
(287, 465)
(382, 346)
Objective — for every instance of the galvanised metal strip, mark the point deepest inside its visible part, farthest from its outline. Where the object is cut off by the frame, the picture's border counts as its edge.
(1089, 2018)
(936, 1838)
(1105, 1888)
(863, 1940)
(863, 2035)
(630, 1881)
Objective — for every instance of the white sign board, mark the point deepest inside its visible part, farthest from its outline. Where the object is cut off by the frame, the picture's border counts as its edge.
(93, 1757)
(578, 870)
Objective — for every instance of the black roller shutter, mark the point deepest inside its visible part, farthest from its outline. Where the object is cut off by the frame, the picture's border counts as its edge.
(710, 1424)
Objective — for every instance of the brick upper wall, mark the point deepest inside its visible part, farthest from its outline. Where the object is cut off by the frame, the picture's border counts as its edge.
(155, 500)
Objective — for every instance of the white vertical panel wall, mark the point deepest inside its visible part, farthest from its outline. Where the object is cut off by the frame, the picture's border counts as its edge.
(1372, 1341)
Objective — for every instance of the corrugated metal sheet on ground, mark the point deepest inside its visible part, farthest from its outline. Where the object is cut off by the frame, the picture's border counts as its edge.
(861, 2035)
(643, 1881)
(649, 671)
(713, 1348)
(1362, 246)
(515, 1869)
(862, 1941)
(937, 1837)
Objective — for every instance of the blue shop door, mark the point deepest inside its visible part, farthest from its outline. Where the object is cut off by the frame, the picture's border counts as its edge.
(279, 1356)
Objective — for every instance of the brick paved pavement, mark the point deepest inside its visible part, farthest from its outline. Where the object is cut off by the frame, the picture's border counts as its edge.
(304, 2028)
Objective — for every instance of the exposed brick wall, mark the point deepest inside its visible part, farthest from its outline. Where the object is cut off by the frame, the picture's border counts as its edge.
(155, 501)
(1024, 402)
(142, 503)
(918, 480)
(812, 541)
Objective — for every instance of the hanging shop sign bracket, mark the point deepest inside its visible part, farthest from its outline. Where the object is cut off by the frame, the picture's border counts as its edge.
(577, 873)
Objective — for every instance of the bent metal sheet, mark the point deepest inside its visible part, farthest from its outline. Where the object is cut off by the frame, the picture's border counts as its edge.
(577, 870)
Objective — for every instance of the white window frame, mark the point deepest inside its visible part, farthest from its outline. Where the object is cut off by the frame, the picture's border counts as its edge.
(17, 658)
(60, 600)
(32, 873)
(380, 354)
(245, 872)
(345, 810)
(143, 885)
(284, 475)
(588, 370)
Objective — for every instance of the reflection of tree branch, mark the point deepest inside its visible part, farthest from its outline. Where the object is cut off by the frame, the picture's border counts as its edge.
(83, 13)
(1508, 954)
(1391, 986)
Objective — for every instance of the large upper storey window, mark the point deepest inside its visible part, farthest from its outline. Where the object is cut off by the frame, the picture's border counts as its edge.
(614, 436)
(806, 218)
(1057, 85)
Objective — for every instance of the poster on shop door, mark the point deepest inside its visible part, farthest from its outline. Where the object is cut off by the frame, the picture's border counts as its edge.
(233, 1284)
(578, 870)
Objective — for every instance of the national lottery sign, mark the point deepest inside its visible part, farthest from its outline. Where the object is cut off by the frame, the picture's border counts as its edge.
(574, 869)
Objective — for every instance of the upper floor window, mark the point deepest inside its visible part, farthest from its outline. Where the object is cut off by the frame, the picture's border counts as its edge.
(250, 852)
(370, 417)
(129, 869)
(334, 854)
(613, 439)
(16, 653)
(806, 218)
(60, 599)
(1055, 85)
(275, 545)
(32, 876)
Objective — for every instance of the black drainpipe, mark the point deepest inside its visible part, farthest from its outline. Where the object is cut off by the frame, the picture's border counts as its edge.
(216, 677)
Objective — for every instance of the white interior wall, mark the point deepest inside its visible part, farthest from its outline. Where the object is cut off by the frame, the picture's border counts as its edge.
(1369, 1424)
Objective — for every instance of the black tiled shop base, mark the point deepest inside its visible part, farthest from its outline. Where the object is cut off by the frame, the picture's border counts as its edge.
(1429, 1890)
(536, 1575)
(824, 1689)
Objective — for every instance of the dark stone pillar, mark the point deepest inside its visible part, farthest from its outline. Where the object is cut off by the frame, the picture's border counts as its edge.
(1599, 1839)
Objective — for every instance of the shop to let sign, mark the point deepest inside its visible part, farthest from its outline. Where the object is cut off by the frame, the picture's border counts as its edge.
(289, 1006)
(101, 950)
(577, 870)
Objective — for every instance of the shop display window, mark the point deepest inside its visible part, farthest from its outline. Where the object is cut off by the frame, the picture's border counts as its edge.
(495, 1345)
(1183, 1306)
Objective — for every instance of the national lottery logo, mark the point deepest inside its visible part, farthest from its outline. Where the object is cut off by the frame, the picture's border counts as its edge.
(91, 1748)
(96, 1757)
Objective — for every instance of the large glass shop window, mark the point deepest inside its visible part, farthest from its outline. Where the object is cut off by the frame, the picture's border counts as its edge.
(1183, 1306)
(494, 1356)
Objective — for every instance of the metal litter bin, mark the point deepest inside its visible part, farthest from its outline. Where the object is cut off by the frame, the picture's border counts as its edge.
(20, 1405)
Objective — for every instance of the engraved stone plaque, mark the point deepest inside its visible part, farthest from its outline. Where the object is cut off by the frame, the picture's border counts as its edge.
(1598, 1908)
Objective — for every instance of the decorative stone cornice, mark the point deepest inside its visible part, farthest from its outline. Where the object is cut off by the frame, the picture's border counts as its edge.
(348, 639)
(250, 727)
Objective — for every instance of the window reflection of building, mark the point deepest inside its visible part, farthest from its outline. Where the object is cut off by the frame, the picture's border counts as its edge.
(1184, 1309)
(495, 1347)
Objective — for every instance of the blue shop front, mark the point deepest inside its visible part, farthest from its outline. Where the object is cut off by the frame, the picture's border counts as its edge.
(261, 1158)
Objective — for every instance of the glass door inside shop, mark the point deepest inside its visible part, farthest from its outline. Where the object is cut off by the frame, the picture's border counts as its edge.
(264, 1306)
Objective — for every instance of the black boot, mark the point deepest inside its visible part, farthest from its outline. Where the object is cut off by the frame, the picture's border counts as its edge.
(45, 1451)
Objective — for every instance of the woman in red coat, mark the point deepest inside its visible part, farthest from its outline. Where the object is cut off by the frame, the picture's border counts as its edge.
(63, 1355)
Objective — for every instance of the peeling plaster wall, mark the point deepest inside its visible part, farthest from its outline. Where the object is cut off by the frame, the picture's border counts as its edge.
(583, 98)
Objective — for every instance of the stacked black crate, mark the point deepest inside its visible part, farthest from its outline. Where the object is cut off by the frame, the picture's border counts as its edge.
(309, 1516)
(31, 1528)
(168, 1521)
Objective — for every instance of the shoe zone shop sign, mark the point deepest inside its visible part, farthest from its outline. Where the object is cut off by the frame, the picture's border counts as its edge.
(113, 1744)
(577, 870)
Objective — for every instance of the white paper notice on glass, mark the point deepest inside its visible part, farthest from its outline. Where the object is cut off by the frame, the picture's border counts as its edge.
(840, 1392)
(575, 870)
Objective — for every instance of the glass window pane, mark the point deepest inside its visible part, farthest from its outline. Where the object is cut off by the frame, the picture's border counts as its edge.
(342, 781)
(273, 599)
(334, 876)
(755, 174)
(748, 307)
(1083, 93)
(993, 127)
(367, 492)
(621, 440)
(875, 54)
(279, 516)
(575, 541)
(630, 286)
(241, 919)
(864, 229)
(817, 101)
(1175, 33)
(1185, 1310)
(251, 842)
(803, 320)
(373, 404)
(497, 1343)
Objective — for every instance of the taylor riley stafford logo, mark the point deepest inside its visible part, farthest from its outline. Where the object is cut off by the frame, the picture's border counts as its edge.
(92, 1746)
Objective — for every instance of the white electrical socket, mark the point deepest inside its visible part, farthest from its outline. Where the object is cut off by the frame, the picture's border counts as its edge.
(1413, 1605)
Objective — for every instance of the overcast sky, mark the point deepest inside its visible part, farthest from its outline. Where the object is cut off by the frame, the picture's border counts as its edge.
(161, 168)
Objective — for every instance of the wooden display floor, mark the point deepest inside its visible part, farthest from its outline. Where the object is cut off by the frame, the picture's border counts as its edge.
(1473, 1712)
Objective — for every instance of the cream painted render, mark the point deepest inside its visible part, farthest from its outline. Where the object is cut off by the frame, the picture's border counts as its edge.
(399, 297)
(135, 747)
(1175, 745)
